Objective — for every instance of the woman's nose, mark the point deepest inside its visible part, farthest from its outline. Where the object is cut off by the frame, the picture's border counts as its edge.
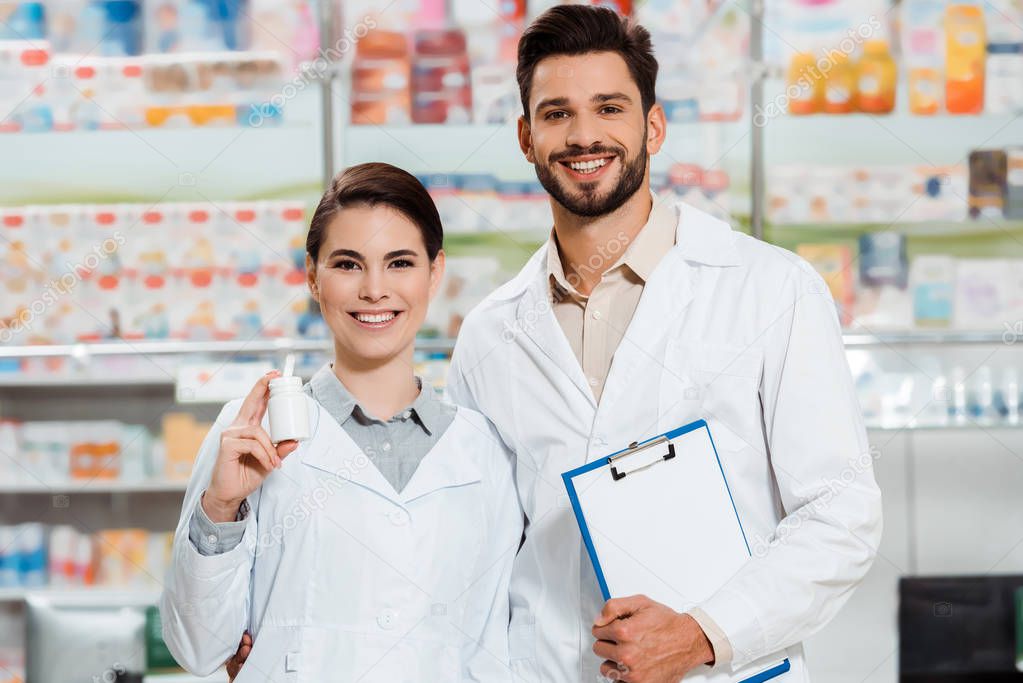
(373, 288)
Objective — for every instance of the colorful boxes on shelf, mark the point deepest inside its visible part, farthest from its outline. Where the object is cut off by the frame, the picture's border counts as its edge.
(166, 271)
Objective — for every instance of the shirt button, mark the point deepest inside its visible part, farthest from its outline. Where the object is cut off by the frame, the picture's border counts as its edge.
(386, 619)
(211, 538)
(594, 381)
(386, 446)
(597, 315)
(398, 517)
(407, 414)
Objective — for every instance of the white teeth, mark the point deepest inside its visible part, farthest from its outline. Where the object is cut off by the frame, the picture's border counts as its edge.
(588, 166)
(378, 318)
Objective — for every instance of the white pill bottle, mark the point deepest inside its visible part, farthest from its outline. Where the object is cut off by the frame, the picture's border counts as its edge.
(289, 410)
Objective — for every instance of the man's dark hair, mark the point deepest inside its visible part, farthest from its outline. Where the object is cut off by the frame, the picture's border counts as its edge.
(578, 30)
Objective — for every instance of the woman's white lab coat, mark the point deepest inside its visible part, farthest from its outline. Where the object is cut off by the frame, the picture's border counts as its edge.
(338, 577)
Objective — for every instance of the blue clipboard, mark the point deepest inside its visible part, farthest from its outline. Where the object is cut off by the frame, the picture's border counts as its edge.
(610, 462)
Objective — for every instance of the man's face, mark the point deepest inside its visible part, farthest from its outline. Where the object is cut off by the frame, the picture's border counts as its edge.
(587, 135)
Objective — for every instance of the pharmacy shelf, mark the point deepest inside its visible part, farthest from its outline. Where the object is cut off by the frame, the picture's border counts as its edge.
(931, 338)
(950, 427)
(91, 593)
(188, 348)
(927, 228)
(898, 138)
(154, 377)
(94, 486)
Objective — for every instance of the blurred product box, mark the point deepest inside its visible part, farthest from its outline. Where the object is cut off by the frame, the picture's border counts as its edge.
(833, 262)
(988, 183)
(182, 438)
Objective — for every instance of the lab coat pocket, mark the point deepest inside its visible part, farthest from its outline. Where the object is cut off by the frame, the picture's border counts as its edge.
(716, 383)
(522, 649)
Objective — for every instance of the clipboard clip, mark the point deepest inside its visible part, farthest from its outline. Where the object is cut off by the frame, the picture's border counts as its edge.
(633, 449)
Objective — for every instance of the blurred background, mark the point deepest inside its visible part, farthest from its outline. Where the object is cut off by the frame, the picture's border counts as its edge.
(159, 160)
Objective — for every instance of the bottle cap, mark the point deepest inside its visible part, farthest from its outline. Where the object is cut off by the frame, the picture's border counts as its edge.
(283, 384)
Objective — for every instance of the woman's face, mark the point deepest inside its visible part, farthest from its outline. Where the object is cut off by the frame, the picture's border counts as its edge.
(374, 282)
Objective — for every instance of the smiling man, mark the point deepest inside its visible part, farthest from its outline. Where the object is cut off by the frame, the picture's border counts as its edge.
(636, 317)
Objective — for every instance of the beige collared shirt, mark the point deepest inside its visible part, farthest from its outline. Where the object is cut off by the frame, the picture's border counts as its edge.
(595, 324)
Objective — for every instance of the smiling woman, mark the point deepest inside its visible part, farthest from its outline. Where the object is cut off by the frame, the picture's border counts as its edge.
(313, 549)
(374, 261)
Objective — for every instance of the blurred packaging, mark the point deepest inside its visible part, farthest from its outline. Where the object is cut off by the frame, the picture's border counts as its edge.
(988, 183)
(182, 436)
(833, 262)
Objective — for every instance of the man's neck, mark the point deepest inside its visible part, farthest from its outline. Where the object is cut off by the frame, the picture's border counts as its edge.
(589, 246)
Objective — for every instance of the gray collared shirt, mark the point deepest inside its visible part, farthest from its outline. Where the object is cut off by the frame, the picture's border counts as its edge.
(395, 446)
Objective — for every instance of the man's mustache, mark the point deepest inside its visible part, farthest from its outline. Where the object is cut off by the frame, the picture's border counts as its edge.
(569, 153)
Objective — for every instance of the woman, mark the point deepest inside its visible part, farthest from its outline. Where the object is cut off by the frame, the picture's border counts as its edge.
(380, 548)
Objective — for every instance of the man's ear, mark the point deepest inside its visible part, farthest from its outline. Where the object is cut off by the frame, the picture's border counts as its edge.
(526, 140)
(656, 129)
(310, 277)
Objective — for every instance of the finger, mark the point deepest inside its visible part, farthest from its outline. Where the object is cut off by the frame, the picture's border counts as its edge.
(612, 671)
(259, 434)
(616, 608)
(243, 446)
(247, 639)
(286, 448)
(605, 649)
(254, 406)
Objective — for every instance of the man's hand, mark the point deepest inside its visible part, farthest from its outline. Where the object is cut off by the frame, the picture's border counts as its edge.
(644, 641)
(234, 665)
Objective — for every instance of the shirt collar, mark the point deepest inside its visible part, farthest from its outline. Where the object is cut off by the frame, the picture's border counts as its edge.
(652, 242)
(333, 395)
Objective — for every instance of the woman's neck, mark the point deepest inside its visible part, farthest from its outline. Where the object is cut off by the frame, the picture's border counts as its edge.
(381, 389)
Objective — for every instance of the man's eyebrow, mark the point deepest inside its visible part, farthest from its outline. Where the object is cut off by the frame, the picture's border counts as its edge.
(607, 97)
(551, 102)
(599, 98)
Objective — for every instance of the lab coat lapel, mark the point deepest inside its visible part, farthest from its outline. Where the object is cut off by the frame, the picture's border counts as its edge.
(665, 297)
(535, 318)
(334, 452)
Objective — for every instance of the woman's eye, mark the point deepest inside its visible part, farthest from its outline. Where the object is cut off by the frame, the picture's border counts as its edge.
(346, 265)
(402, 263)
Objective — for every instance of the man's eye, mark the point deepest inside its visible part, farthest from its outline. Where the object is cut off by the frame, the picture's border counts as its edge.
(556, 115)
(346, 265)
(610, 110)
(402, 263)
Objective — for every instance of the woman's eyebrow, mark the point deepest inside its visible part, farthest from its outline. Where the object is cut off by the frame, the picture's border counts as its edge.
(400, 252)
(351, 253)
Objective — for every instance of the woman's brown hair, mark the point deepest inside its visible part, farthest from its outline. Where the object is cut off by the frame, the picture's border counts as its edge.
(377, 184)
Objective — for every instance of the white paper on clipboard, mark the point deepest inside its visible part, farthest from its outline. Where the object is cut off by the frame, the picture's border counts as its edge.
(658, 519)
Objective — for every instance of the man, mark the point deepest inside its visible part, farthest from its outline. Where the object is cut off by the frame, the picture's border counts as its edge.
(637, 317)
(595, 345)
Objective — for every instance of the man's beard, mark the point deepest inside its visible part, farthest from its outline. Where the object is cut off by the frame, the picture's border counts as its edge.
(589, 204)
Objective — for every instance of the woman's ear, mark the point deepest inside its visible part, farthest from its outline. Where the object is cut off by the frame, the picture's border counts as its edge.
(310, 277)
(436, 273)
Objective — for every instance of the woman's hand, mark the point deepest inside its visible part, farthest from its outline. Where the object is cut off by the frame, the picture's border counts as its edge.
(246, 456)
